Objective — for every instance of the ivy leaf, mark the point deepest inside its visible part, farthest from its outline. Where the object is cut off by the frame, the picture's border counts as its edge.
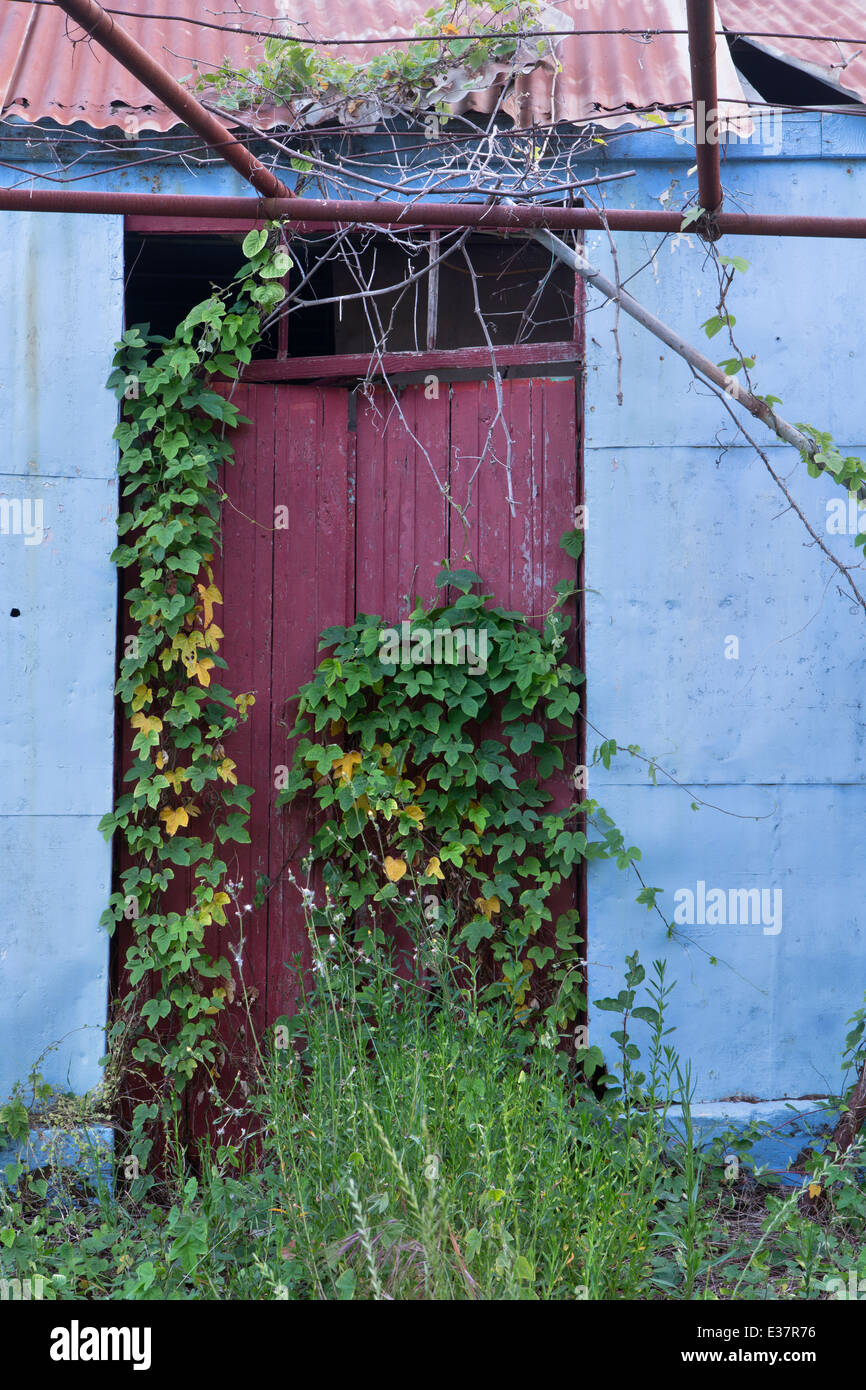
(141, 696)
(176, 816)
(394, 868)
(279, 266)
(716, 323)
(738, 262)
(524, 736)
(225, 771)
(457, 579)
(234, 828)
(201, 669)
(254, 242)
(147, 723)
(475, 931)
(691, 216)
(209, 596)
(572, 543)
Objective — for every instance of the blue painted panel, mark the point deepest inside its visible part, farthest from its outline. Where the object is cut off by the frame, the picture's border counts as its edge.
(690, 551)
(60, 312)
(796, 295)
(53, 953)
(689, 543)
(56, 713)
(61, 295)
(769, 1019)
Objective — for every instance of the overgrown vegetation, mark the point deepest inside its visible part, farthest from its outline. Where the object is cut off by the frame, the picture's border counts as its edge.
(429, 781)
(453, 43)
(172, 442)
(410, 1148)
(420, 1131)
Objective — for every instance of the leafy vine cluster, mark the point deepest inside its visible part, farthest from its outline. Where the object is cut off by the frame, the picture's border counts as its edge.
(172, 444)
(434, 825)
(429, 783)
(457, 40)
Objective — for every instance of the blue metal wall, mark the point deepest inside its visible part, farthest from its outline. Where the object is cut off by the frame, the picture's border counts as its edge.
(61, 283)
(61, 311)
(690, 543)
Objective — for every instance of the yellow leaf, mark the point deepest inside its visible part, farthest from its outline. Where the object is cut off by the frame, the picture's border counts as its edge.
(175, 778)
(202, 669)
(243, 702)
(141, 696)
(346, 765)
(147, 723)
(217, 905)
(487, 906)
(434, 869)
(174, 817)
(814, 1189)
(187, 644)
(161, 759)
(394, 868)
(226, 771)
(414, 813)
(449, 29)
(209, 596)
(213, 635)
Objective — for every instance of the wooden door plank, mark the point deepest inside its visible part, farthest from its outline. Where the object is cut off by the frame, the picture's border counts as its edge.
(313, 588)
(402, 473)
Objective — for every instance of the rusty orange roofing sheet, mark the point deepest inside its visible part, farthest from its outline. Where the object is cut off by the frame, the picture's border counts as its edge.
(49, 69)
(840, 65)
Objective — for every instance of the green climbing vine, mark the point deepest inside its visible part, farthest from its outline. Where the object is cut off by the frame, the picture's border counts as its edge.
(172, 442)
(457, 39)
(431, 811)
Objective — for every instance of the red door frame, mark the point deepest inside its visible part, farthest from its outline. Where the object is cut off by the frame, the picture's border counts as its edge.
(363, 364)
(478, 360)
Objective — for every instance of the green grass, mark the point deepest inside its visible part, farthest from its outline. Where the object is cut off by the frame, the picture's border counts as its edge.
(407, 1149)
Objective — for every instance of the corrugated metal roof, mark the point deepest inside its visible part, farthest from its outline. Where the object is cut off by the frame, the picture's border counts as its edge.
(47, 69)
(843, 66)
(44, 74)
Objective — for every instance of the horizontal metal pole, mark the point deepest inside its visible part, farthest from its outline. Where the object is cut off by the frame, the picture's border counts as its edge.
(526, 215)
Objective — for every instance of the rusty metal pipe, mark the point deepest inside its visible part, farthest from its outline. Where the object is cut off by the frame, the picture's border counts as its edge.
(313, 210)
(701, 17)
(102, 27)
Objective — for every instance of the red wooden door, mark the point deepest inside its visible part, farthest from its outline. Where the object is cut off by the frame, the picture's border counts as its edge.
(374, 493)
(365, 492)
